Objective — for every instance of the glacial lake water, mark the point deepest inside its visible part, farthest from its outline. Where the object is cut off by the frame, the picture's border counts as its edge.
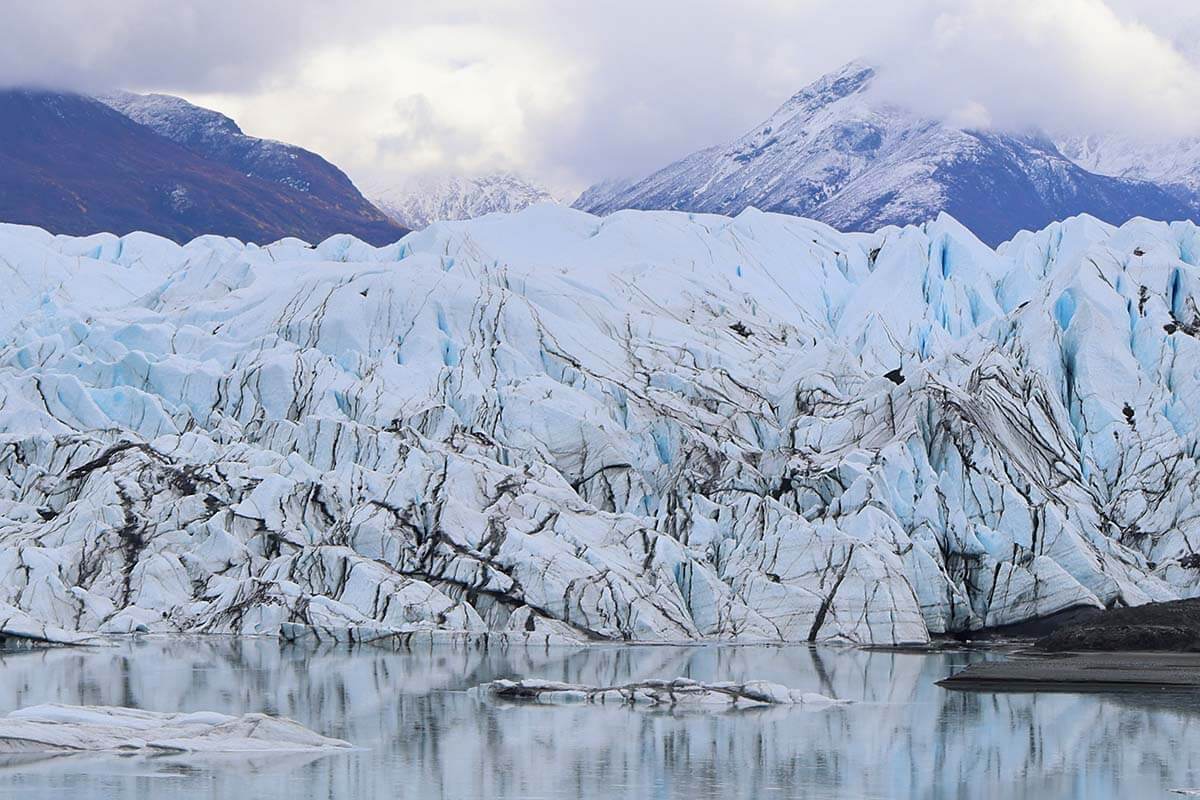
(423, 736)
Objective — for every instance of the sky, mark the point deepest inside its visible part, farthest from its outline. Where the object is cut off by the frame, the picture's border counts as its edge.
(569, 92)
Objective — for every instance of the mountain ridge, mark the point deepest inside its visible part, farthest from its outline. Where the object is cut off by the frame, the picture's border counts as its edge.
(417, 203)
(74, 165)
(836, 153)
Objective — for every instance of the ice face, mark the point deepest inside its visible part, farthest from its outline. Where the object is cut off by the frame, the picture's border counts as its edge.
(550, 426)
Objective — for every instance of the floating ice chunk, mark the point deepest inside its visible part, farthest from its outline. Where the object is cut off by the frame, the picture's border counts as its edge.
(56, 728)
(680, 692)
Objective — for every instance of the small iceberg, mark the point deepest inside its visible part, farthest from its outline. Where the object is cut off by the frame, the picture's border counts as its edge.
(661, 693)
(56, 728)
(20, 631)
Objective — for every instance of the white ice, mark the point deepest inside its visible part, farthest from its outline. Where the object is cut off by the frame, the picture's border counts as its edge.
(549, 427)
(56, 728)
(680, 692)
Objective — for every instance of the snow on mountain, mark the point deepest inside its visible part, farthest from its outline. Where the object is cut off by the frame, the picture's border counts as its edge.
(839, 153)
(419, 202)
(1173, 164)
(304, 178)
(550, 426)
(219, 137)
(74, 165)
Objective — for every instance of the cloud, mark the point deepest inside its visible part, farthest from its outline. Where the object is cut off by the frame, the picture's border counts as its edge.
(83, 45)
(1075, 65)
(570, 93)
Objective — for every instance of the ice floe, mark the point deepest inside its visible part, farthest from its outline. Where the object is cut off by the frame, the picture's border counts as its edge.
(680, 692)
(55, 728)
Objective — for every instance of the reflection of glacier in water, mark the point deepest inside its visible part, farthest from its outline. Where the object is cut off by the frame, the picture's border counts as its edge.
(427, 738)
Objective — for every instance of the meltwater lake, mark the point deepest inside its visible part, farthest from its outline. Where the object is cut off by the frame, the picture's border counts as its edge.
(421, 735)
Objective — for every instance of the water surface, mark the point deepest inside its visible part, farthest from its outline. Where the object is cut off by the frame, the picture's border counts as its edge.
(424, 737)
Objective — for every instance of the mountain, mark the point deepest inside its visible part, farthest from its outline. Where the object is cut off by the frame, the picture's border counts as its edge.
(1173, 164)
(838, 153)
(74, 165)
(419, 202)
(548, 426)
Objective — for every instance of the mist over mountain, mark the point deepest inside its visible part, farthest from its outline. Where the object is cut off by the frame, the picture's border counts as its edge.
(418, 202)
(1173, 164)
(839, 153)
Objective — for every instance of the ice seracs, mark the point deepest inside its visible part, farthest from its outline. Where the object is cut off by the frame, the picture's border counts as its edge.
(54, 728)
(19, 631)
(550, 426)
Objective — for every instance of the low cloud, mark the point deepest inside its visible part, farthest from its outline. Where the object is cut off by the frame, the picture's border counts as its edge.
(572, 93)
(1071, 65)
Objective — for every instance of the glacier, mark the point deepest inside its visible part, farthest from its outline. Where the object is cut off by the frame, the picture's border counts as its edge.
(552, 427)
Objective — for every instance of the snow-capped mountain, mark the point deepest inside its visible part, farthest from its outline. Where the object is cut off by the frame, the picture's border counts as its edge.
(418, 202)
(553, 426)
(839, 153)
(75, 165)
(218, 138)
(1174, 164)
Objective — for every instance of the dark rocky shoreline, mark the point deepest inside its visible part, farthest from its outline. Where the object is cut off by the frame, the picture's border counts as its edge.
(1158, 627)
(1075, 672)
(1154, 646)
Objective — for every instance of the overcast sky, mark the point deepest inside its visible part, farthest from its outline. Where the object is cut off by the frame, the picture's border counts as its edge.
(569, 92)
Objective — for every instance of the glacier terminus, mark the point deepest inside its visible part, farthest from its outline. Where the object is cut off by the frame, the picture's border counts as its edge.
(554, 427)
